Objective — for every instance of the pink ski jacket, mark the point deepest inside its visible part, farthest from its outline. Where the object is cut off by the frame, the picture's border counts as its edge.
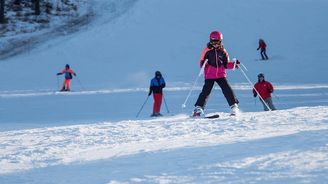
(217, 63)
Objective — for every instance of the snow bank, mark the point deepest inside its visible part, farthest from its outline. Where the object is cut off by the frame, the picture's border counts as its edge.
(43, 147)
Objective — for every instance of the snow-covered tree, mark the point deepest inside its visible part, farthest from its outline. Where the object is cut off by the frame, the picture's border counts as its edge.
(37, 7)
(2, 11)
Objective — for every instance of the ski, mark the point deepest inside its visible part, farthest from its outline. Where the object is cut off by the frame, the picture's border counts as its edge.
(213, 116)
(206, 117)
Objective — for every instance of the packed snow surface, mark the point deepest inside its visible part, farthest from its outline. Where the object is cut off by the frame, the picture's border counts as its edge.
(42, 147)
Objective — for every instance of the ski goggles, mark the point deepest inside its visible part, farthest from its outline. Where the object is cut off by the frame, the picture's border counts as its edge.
(215, 42)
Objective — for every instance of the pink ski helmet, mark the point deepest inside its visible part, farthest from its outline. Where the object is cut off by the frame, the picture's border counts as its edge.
(216, 35)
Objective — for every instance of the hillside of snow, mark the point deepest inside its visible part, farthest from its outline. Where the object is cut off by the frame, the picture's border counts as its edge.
(92, 135)
(257, 141)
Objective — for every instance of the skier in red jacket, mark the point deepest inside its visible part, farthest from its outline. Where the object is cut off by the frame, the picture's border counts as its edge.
(262, 46)
(264, 88)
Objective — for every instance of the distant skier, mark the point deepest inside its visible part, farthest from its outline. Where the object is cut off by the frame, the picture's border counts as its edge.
(68, 77)
(216, 60)
(156, 87)
(262, 46)
(265, 89)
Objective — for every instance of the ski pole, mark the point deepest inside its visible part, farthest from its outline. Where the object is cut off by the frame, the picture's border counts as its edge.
(166, 105)
(255, 89)
(276, 96)
(58, 82)
(142, 106)
(192, 88)
(78, 80)
(280, 101)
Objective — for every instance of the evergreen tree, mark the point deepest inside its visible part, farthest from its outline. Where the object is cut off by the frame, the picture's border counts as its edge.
(2, 12)
(37, 7)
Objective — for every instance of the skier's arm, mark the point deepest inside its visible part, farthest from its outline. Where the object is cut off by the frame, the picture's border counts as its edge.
(254, 91)
(270, 87)
(226, 59)
(62, 72)
(203, 57)
(150, 88)
(201, 63)
(163, 84)
(231, 65)
(72, 72)
(259, 46)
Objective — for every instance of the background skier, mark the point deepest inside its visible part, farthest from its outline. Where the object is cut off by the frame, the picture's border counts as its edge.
(156, 87)
(68, 77)
(265, 89)
(262, 46)
(216, 60)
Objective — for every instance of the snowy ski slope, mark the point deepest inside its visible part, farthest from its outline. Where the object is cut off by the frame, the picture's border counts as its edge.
(92, 135)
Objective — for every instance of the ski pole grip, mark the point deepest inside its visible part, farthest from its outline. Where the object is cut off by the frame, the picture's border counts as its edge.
(235, 63)
(203, 67)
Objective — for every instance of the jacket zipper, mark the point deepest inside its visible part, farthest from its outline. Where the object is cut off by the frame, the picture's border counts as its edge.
(217, 63)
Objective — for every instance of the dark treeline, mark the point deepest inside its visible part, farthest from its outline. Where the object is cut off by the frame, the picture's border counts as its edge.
(33, 7)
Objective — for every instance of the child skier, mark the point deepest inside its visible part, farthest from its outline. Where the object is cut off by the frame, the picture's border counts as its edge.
(68, 77)
(216, 61)
(264, 88)
(262, 46)
(156, 87)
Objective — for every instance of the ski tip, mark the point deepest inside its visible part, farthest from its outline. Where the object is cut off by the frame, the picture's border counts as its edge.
(213, 116)
(205, 117)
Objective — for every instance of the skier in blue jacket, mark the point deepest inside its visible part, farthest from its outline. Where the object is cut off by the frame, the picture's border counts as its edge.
(156, 87)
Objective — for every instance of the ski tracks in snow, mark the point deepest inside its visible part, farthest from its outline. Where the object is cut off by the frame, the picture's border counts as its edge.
(43, 147)
(240, 86)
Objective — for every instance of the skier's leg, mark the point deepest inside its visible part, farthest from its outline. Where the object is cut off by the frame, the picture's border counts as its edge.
(264, 106)
(64, 86)
(67, 84)
(270, 104)
(154, 104)
(157, 102)
(207, 88)
(263, 58)
(227, 91)
(266, 56)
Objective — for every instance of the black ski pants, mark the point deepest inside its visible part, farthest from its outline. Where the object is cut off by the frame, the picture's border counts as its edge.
(207, 88)
(263, 53)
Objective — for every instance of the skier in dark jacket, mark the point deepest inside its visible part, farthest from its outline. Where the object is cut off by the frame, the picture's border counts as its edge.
(68, 77)
(263, 46)
(156, 87)
(216, 60)
(264, 88)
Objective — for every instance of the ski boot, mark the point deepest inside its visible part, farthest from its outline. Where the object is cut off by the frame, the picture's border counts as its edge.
(234, 110)
(156, 114)
(198, 112)
(65, 89)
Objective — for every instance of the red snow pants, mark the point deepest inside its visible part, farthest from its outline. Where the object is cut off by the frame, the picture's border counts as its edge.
(157, 102)
(67, 84)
